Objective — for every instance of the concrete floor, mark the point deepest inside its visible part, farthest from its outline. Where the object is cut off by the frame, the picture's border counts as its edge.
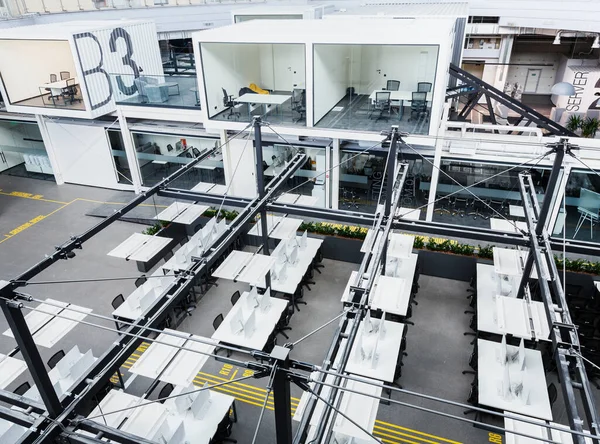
(437, 350)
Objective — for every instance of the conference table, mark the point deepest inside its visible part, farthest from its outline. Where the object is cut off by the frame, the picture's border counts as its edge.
(406, 96)
(265, 100)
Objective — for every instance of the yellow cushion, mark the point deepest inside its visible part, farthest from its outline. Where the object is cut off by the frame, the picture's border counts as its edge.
(257, 89)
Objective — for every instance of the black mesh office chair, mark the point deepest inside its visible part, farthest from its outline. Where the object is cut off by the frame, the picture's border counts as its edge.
(382, 104)
(64, 75)
(392, 85)
(552, 394)
(216, 323)
(51, 97)
(69, 92)
(165, 392)
(299, 104)
(139, 281)
(195, 151)
(55, 358)
(424, 87)
(418, 105)
(117, 301)
(229, 104)
(22, 389)
(53, 78)
(169, 147)
(235, 297)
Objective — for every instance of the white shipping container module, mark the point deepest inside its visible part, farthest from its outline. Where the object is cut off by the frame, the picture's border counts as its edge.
(95, 60)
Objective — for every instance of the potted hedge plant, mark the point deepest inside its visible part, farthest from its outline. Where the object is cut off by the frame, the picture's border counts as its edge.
(574, 123)
(589, 127)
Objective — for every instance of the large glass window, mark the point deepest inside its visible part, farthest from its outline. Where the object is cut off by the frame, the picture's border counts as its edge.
(22, 151)
(497, 190)
(119, 157)
(308, 180)
(369, 87)
(582, 205)
(159, 155)
(248, 79)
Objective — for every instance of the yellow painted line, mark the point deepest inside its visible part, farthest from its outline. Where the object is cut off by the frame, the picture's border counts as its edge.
(31, 196)
(234, 373)
(395, 437)
(400, 435)
(239, 389)
(438, 438)
(118, 203)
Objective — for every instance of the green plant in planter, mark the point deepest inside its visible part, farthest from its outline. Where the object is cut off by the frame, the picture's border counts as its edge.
(486, 252)
(589, 127)
(419, 242)
(153, 229)
(574, 123)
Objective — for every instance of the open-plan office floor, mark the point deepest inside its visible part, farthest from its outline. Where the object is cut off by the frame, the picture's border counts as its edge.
(179, 91)
(437, 349)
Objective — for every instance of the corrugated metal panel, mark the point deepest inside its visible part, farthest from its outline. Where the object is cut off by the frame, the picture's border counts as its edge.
(112, 57)
(410, 9)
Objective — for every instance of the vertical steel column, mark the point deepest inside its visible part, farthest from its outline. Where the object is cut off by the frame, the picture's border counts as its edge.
(35, 365)
(282, 395)
(391, 170)
(260, 184)
(542, 216)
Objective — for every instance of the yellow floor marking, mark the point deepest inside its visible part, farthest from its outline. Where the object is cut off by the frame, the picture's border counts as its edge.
(234, 373)
(375, 432)
(380, 430)
(439, 438)
(30, 196)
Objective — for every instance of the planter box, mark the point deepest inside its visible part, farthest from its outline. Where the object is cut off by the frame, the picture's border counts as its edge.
(447, 265)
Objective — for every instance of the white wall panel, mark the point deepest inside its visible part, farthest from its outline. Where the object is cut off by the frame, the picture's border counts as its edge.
(83, 154)
(331, 66)
(239, 154)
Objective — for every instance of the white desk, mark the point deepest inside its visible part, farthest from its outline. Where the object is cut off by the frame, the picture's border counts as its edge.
(263, 99)
(297, 199)
(361, 408)
(57, 87)
(10, 433)
(386, 354)
(390, 294)
(408, 213)
(538, 430)
(516, 210)
(400, 245)
(370, 239)
(491, 377)
(146, 420)
(46, 328)
(511, 262)
(220, 190)
(140, 247)
(504, 225)
(76, 363)
(202, 187)
(113, 401)
(182, 213)
(10, 369)
(397, 95)
(170, 364)
(489, 283)
(241, 266)
(264, 325)
(279, 227)
(132, 309)
(295, 272)
(199, 431)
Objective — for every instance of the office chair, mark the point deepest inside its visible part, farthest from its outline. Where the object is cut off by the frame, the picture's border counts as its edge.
(52, 97)
(117, 301)
(64, 75)
(235, 297)
(69, 92)
(392, 85)
(229, 103)
(169, 147)
(418, 105)
(53, 78)
(297, 297)
(22, 389)
(284, 321)
(217, 321)
(224, 429)
(299, 103)
(473, 398)
(195, 151)
(382, 104)
(472, 363)
(55, 358)
(316, 263)
(307, 279)
(424, 87)
(139, 281)
(178, 146)
(165, 392)
(552, 394)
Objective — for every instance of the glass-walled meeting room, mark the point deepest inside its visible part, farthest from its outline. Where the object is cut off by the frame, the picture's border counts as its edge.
(160, 155)
(22, 151)
(248, 79)
(369, 87)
